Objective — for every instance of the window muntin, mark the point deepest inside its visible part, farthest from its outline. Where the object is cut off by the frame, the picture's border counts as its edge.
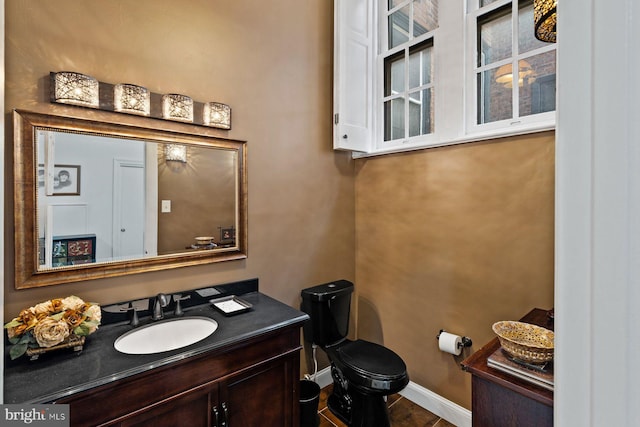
(394, 91)
(494, 37)
(408, 101)
(407, 20)
(408, 92)
(398, 25)
(420, 89)
(505, 43)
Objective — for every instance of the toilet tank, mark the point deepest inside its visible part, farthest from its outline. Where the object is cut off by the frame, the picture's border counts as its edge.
(328, 306)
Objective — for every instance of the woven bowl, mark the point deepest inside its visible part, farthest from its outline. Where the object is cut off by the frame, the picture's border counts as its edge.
(526, 342)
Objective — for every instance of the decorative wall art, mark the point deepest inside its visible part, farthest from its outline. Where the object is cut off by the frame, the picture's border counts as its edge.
(66, 179)
(227, 235)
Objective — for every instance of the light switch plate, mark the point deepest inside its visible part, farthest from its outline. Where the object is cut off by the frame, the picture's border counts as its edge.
(166, 206)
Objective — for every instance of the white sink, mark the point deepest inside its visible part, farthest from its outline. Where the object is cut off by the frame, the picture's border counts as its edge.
(166, 335)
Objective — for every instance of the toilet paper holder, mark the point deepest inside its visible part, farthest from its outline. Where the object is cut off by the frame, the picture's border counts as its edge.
(464, 342)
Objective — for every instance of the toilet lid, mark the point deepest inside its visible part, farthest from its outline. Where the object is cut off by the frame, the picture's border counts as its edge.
(372, 360)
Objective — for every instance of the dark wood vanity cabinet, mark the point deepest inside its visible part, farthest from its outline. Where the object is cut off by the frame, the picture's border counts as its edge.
(250, 384)
(255, 398)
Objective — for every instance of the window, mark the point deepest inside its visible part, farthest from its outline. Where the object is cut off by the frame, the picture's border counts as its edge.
(408, 109)
(505, 42)
(408, 93)
(420, 73)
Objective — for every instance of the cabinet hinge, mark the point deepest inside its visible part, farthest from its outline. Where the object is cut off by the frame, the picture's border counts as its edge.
(335, 118)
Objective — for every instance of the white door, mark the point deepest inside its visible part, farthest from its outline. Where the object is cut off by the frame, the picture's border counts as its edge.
(128, 208)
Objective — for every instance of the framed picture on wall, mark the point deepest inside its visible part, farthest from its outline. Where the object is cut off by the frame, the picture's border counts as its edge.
(227, 235)
(66, 179)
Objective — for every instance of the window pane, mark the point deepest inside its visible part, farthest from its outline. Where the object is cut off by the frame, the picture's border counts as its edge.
(399, 27)
(494, 98)
(420, 66)
(538, 84)
(484, 3)
(421, 112)
(394, 74)
(394, 3)
(425, 16)
(394, 119)
(526, 39)
(494, 37)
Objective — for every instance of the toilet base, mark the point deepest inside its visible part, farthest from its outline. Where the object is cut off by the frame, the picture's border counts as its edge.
(366, 410)
(355, 407)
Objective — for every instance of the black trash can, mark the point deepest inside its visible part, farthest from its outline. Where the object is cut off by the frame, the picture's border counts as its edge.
(309, 398)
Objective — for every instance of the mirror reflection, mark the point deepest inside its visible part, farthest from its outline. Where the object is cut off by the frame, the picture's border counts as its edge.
(95, 198)
(102, 199)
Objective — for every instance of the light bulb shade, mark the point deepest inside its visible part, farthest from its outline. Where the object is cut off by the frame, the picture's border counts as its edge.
(217, 115)
(177, 107)
(175, 153)
(526, 74)
(545, 20)
(68, 87)
(504, 75)
(134, 99)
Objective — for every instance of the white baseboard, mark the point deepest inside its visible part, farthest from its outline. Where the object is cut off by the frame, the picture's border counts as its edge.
(425, 398)
(323, 377)
(438, 405)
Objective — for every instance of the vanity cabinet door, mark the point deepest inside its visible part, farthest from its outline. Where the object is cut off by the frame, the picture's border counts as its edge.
(258, 397)
(262, 396)
(194, 408)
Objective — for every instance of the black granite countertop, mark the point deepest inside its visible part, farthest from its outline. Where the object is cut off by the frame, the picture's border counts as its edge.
(61, 373)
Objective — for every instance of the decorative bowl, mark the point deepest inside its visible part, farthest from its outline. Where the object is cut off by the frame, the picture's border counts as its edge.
(525, 342)
(203, 240)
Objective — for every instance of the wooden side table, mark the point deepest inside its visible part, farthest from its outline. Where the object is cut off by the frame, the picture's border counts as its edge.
(499, 399)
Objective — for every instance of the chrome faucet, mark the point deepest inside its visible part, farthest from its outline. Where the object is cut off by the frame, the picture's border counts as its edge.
(161, 301)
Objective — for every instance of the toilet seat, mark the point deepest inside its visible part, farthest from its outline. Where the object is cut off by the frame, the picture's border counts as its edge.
(372, 366)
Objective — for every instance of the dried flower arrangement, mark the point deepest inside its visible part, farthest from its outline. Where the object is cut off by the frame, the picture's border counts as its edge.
(52, 322)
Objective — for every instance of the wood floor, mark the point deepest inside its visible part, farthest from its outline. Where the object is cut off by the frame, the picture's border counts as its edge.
(402, 413)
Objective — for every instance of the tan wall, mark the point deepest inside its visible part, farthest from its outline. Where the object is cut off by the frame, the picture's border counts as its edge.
(456, 238)
(271, 62)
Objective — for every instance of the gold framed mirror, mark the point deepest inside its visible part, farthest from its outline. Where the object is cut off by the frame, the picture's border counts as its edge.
(98, 198)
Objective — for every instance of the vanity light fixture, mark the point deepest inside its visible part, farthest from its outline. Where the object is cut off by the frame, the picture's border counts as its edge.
(68, 87)
(177, 107)
(130, 98)
(175, 153)
(545, 20)
(526, 74)
(217, 115)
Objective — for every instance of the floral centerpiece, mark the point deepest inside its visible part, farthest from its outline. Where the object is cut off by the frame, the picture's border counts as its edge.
(51, 323)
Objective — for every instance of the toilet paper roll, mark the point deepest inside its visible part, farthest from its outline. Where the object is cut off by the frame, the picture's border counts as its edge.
(450, 343)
